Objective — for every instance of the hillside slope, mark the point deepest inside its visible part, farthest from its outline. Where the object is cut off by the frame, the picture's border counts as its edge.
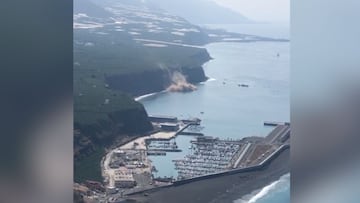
(111, 67)
(123, 49)
(201, 11)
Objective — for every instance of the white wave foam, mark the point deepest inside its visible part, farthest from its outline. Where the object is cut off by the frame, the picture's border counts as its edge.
(208, 80)
(264, 191)
(155, 45)
(139, 98)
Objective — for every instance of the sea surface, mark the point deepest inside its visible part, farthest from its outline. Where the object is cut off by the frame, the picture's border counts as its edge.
(276, 192)
(229, 111)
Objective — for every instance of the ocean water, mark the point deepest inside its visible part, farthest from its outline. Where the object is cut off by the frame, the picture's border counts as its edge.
(276, 192)
(231, 111)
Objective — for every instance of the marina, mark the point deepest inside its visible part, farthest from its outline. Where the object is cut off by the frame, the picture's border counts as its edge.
(130, 169)
(212, 155)
(209, 155)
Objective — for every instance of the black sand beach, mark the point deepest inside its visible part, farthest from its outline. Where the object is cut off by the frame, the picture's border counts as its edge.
(220, 189)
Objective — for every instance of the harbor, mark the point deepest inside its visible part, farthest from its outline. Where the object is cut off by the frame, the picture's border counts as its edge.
(227, 113)
(209, 155)
(212, 155)
(129, 169)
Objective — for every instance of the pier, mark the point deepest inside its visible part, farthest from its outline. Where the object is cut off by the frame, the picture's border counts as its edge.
(191, 133)
(193, 121)
(279, 134)
(213, 155)
(156, 153)
(210, 155)
(273, 123)
(243, 152)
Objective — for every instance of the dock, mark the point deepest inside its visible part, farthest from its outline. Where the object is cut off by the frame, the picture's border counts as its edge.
(191, 133)
(273, 123)
(280, 134)
(156, 153)
(209, 156)
(212, 155)
(241, 156)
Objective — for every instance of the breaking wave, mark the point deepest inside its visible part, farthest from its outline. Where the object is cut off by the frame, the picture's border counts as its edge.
(275, 187)
(142, 97)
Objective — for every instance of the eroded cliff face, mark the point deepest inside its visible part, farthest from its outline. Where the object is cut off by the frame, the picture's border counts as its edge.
(194, 74)
(152, 81)
(159, 79)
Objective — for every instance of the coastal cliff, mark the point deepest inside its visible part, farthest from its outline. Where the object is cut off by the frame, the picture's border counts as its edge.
(194, 74)
(152, 81)
(140, 83)
(99, 125)
(120, 54)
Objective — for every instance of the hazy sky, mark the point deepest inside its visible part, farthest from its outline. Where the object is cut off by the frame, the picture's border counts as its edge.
(260, 10)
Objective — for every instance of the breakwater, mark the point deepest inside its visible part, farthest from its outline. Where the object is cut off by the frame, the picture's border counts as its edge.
(258, 167)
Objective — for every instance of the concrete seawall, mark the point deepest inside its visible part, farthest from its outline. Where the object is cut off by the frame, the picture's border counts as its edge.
(221, 189)
(258, 167)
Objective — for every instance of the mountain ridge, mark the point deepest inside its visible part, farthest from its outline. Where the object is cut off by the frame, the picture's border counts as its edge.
(202, 11)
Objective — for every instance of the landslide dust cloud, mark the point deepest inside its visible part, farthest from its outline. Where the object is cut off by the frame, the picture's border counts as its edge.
(179, 84)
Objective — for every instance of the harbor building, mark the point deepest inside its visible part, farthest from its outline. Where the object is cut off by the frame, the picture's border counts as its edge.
(124, 179)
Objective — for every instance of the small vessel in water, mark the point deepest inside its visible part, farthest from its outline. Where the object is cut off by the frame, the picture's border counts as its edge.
(243, 85)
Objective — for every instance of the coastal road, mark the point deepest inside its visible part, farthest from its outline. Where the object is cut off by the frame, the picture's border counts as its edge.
(242, 155)
(168, 43)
